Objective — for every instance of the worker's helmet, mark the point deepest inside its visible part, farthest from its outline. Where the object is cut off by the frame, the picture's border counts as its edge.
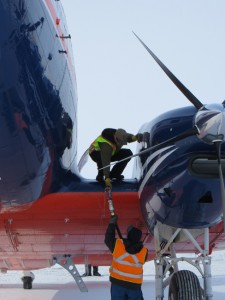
(121, 137)
(134, 234)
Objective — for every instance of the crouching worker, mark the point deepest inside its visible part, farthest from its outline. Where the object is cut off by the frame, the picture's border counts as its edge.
(128, 258)
(106, 148)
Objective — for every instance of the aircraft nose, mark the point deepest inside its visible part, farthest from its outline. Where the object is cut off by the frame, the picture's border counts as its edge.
(210, 121)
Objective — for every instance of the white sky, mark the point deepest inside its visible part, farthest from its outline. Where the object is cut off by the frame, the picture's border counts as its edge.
(119, 84)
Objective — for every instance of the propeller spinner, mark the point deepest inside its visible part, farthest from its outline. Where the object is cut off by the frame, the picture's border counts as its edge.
(210, 121)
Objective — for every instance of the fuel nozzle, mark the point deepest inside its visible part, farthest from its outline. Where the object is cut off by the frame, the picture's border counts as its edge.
(108, 197)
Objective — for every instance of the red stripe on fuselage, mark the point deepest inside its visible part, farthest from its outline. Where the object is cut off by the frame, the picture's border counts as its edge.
(59, 32)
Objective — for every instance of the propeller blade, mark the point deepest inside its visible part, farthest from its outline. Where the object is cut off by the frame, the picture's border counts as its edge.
(218, 148)
(174, 139)
(174, 79)
(83, 160)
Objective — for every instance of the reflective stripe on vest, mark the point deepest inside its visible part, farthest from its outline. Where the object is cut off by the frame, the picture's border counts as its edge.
(126, 266)
(127, 263)
(95, 145)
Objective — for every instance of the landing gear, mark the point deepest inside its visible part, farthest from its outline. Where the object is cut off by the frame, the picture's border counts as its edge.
(27, 280)
(184, 284)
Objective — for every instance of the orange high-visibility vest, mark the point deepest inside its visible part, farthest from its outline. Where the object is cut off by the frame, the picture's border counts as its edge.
(95, 145)
(126, 266)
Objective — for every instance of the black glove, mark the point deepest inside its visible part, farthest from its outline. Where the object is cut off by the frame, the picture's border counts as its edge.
(139, 137)
(113, 219)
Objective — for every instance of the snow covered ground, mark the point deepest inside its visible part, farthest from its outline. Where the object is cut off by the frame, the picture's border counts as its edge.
(56, 283)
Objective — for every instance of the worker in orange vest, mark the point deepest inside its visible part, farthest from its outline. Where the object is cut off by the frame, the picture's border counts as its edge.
(128, 258)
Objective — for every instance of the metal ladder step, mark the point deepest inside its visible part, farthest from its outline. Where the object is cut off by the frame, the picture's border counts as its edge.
(66, 261)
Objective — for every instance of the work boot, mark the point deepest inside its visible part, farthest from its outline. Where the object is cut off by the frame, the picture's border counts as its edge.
(87, 271)
(95, 271)
(100, 177)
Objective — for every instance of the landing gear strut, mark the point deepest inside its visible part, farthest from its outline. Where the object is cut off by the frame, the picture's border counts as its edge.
(182, 284)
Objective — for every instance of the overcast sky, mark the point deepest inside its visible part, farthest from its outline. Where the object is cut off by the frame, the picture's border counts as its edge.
(119, 84)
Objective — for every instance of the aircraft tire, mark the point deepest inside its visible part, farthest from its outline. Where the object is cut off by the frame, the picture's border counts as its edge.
(185, 285)
(27, 282)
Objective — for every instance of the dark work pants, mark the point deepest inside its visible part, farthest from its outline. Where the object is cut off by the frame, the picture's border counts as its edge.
(121, 293)
(118, 168)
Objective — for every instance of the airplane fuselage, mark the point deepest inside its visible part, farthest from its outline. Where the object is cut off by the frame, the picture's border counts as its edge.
(46, 206)
(37, 100)
(38, 127)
